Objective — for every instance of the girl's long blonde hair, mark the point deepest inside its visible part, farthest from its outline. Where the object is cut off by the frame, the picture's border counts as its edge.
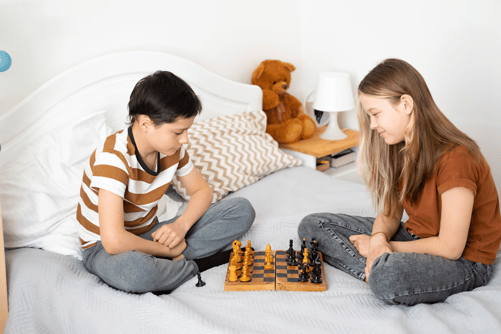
(397, 172)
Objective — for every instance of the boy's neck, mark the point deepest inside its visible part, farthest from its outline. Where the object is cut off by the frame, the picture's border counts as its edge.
(146, 152)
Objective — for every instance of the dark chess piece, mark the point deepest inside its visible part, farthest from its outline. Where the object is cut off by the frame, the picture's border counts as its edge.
(291, 255)
(200, 282)
(316, 273)
(314, 249)
(300, 255)
(303, 275)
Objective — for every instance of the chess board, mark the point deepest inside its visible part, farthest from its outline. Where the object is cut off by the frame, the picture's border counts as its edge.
(261, 279)
(287, 276)
(281, 277)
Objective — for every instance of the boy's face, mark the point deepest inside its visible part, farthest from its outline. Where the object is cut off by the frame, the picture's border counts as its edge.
(169, 137)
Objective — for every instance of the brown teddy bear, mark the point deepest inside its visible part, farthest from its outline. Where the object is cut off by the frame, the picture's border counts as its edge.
(287, 122)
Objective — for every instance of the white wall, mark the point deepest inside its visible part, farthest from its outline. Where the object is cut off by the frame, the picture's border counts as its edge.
(455, 44)
(230, 38)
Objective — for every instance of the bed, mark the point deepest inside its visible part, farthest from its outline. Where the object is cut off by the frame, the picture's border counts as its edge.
(44, 143)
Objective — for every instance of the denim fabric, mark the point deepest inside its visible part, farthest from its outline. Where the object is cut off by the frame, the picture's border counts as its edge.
(398, 278)
(138, 272)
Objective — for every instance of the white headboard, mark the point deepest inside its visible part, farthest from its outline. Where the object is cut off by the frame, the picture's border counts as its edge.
(105, 83)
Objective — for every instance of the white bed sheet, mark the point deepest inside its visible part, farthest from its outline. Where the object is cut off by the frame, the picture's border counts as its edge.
(52, 293)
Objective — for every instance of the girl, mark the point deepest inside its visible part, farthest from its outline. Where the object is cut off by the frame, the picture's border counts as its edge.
(124, 244)
(412, 157)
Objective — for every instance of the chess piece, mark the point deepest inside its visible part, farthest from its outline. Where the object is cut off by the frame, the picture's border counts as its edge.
(200, 282)
(305, 260)
(303, 275)
(248, 248)
(248, 257)
(236, 262)
(233, 274)
(314, 249)
(316, 273)
(268, 259)
(247, 264)
(245, 274)
(236, 250)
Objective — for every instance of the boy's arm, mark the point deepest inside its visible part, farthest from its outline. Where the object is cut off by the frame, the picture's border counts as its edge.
(457, 207)
(116, 239)
(200, 200)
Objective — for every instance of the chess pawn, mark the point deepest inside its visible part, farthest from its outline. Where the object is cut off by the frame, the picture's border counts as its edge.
(305, 261)
(268, 259)
(245, 274)
(233, 274)
(248, 248)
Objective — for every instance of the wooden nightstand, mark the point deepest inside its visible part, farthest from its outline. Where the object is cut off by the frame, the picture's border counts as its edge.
(309, 150)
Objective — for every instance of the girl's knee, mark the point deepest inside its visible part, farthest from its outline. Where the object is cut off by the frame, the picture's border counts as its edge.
(310, 225)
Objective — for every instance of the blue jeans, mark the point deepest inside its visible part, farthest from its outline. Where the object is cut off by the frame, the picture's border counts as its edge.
(138, 272)
(397, 278)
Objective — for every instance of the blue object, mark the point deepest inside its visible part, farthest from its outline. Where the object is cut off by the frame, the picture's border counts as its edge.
(5, 61)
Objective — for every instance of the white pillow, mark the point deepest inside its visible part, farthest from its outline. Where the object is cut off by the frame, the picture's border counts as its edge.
(39, 189)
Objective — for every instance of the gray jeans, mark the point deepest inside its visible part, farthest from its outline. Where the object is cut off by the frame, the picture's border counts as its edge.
(398, 278)
(138, 272)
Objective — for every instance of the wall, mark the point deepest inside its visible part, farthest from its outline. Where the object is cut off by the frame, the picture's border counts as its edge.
(454, 44)
(229, 38)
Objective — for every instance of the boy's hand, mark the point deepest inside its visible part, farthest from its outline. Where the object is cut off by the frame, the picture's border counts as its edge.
(170, 235)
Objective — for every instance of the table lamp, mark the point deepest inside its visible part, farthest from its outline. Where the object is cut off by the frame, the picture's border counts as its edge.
(333, 95)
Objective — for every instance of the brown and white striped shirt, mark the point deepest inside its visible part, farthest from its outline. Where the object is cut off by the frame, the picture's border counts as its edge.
(116, 167)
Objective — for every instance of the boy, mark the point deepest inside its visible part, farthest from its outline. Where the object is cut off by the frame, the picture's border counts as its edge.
(123, 242)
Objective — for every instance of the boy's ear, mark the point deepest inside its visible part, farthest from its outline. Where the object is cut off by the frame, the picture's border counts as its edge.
(144, 122)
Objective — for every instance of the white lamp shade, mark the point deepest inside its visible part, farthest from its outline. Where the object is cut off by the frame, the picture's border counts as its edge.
(333, 92)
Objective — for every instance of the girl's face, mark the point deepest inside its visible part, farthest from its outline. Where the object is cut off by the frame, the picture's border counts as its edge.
(390, 121)
(169, 137)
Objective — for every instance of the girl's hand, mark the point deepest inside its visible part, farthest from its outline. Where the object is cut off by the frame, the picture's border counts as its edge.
(377, 247)
(361, 243)
(170, 235)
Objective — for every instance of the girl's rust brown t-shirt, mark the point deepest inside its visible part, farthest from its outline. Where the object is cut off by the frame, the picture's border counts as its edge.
(458, 168)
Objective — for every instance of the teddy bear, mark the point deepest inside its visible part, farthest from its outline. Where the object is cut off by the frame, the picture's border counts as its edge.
(286, 121)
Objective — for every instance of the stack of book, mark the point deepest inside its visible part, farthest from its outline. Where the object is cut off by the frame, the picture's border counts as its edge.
(342, 158)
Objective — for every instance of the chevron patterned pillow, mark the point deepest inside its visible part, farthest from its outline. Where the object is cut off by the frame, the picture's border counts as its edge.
(234, 151)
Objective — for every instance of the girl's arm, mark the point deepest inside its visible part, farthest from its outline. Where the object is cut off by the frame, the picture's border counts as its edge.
(200, 200)
(374, 247)
(116, 239)
(457, 207)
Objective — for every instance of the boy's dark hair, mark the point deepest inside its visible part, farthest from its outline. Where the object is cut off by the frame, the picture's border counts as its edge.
(164, 98)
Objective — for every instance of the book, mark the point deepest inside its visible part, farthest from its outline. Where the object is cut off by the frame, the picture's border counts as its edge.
(343, 158)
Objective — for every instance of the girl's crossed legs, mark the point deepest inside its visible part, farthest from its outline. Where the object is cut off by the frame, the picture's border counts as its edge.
(398, 278)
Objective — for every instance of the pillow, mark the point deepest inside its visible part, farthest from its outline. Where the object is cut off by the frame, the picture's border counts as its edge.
(39, 189)
(234, 151)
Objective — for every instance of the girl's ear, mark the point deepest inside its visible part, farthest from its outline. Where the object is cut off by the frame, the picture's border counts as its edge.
(407, 103)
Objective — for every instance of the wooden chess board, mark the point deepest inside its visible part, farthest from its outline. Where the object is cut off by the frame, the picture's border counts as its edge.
(287, 276)
(261, 279)
(281, 277)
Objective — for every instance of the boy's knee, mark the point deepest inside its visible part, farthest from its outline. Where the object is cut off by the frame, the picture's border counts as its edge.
(246, 211)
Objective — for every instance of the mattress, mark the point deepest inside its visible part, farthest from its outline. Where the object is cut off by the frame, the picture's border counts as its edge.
(53, 293)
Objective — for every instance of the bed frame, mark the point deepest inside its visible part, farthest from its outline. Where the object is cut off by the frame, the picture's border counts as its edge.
(109, 80)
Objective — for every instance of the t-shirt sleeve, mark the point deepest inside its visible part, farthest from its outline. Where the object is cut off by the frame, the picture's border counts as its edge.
(185, 165)
(458, 168)
(110, 173)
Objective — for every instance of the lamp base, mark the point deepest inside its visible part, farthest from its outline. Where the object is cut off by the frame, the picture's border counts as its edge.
(333, 132)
